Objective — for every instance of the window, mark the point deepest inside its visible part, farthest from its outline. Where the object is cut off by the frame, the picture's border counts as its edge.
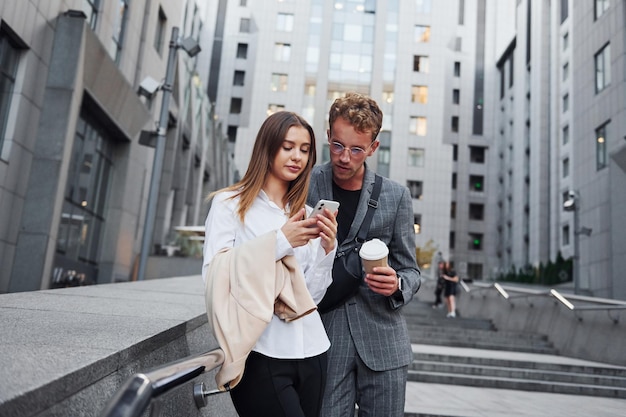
(564, 10)
(279, 82)
(421, 64)
(476, 183)
(417, 223)
(9, 56)
(452, 239)
(474, 271)
(284, 22)
(235, 105)
(565, 71)
(417, 126)
(416, 157)
(422, 6)
(476, 211)
(453, 210)
(477, 154)
(454, 124)
(456, 96)
(232, 133)
(601, 159)
(511, 70)
(239, 77)
(243, 3)
(455, 152)
(565, 167)
(159, 34)
(419, 94)
(457, 69)
(565, 41)
(600, 6)
(565, 103)
(415, 187)
(273, 108)
(453, 184)
(475, 241)
(388, 97)
(461, 12)
(384, 155)
(242, 50)
(565, 135)
(458, 42)
(119, 30)
(244, 25)
(282, 52)
(422, 33)
(90, 7)
(83, 213)
(603, 68)
(565, 235)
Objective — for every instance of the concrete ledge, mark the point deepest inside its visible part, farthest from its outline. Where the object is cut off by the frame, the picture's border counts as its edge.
(66, 351)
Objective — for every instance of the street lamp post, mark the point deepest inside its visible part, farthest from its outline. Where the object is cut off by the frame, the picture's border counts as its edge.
(192, 48)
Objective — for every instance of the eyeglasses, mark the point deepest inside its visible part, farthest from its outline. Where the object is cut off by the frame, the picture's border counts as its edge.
(337, 148)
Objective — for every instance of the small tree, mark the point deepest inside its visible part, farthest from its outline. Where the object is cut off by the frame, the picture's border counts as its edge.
(424, 254)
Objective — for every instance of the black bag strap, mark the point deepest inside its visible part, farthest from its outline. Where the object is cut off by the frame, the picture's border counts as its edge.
(372, 205)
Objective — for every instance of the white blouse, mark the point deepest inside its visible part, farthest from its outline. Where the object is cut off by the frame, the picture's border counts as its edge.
(300, 338)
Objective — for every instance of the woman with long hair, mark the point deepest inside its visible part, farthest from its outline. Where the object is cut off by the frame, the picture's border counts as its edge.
(285, 373)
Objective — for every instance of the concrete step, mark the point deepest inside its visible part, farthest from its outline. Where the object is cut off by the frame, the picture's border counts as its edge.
(517, 384)
(443, 322)
(413, 326)
(517, 372)
(439, 400)
(430, 326)
(473, 353)
(487, 344)
(493, 340)
(540, 363)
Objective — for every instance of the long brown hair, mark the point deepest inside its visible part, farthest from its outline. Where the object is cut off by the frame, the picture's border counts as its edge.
(268, 142)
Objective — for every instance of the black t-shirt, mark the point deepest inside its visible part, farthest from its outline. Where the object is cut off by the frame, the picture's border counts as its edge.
(348, 203)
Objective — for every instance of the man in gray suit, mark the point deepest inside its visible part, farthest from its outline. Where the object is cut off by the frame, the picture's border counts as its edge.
(370, 348)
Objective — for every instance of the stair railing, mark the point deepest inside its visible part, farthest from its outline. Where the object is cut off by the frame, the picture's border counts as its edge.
(612, 307)
(134, 397)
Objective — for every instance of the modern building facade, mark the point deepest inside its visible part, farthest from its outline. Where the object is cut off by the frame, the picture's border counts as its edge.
(431, 67)
(495, 110)
(74, 179)
(561, 148)
(487, 120)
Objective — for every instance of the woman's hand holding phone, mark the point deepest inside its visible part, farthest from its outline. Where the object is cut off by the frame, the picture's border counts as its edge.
(326, 213)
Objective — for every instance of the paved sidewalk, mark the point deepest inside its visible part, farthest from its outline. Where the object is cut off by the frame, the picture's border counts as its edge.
(428, 399)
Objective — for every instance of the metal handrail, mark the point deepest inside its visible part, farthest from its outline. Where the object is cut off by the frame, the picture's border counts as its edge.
(597, 303)
(132, 399)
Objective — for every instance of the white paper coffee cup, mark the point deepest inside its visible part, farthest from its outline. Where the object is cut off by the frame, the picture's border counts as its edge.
(373, 253)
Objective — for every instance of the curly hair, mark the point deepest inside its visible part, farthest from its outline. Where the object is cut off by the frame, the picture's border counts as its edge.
(360, 111)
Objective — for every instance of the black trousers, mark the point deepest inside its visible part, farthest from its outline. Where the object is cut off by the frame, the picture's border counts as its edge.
(439, 290)
(280, 387)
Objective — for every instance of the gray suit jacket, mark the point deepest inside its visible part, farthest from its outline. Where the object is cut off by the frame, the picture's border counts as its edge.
(374, 322)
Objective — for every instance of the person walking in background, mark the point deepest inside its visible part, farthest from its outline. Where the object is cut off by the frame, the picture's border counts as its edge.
(285, 372)
(451, 280)
(370, 346)
(439, 285)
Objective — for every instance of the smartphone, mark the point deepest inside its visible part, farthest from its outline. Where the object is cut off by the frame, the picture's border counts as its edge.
(322, 204)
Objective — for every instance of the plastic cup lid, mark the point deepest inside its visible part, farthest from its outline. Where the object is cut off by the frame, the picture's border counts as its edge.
(373, 249)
